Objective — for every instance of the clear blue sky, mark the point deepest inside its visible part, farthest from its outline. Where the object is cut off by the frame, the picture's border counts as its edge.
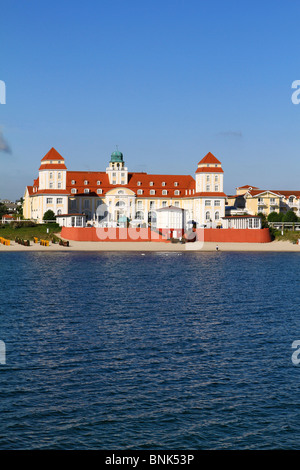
(167, 81)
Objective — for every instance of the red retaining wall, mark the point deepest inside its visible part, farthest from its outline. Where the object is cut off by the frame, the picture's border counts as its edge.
(93, 234)
(234, 235)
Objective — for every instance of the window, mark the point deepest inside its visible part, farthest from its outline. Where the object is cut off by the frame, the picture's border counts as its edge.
(176, 192)
(86, 182)
(73, 182)
(163, 183)
(217, 215)
(59, 175)
(114, 182)
(250, 223)
(208, 203)
(98, 183)
(49, 200)
(139, 215)
(207, 188)
(176, 203)
(86, 190)
(114, 175)
(207, 216)
(272, 200)
(121, 191)
(175, 184)
(122, 175)
(260, 200)
(256, 222)
(207, 178)
(59, 212)
(152, 192)
(139, 183)
(164, 203)
(140, 191)
(152, 204)
(216, 178)
(217, 202)
(140, 204)
(51, 185)
(216, 188)
(73, 191)
(73, 204)
(51, 175)
(291, 200)
(99, 191)
(151, 183)
(59, 200)
(59, 185)
(164, 192)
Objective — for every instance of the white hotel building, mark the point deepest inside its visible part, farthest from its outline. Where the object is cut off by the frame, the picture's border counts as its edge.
(118, 197)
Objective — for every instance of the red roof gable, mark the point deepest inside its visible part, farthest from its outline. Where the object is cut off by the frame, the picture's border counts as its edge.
(209, 158)
(205, 169)
(52, 155)
(53, 166)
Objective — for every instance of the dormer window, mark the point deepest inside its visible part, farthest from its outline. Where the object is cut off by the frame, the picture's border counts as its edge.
(176, 192)
(98, 183)
(164, 192)
(152, 192)
(73, 182)
(86, 190)
(140, 191)
(86, 182)
(163, 183)
(73, 190)
(139, 183)
(175, 184)
(99, 191)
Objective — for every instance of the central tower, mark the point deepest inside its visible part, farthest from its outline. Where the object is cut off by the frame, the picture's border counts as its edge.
(116, 171)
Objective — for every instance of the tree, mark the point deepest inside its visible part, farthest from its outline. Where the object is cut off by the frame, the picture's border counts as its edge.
(290, 216)
(264, 222)
(3, 209)
(49, 215)
(275, 217)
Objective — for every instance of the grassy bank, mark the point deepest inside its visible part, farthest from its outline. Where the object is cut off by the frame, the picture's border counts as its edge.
(288, 235)
(13, 230)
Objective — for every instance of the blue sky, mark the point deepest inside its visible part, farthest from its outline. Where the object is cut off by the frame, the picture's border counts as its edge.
(166, 81)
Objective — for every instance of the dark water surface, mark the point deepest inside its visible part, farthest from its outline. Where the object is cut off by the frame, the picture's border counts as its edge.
(161, 351)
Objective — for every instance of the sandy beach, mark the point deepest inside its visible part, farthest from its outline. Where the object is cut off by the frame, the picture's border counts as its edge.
(279, 246)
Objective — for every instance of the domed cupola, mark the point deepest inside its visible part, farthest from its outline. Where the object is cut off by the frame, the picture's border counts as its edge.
(117, 172)
(116, 157)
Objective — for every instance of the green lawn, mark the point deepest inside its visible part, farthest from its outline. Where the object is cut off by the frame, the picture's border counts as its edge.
(27, 233)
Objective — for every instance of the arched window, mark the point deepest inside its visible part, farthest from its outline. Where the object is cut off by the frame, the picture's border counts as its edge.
(217, 215)
(58, 212)
(120, 204)
(207, 215)
(139, 215)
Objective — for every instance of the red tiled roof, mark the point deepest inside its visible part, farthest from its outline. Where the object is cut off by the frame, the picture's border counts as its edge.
(52, 191)
(52, 155)
(184, 182)
(210, 194)
(53, 166)
(209, 158)
(209, 170)
(247, 187)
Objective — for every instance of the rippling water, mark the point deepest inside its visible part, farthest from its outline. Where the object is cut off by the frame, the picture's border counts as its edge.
(161, 351)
